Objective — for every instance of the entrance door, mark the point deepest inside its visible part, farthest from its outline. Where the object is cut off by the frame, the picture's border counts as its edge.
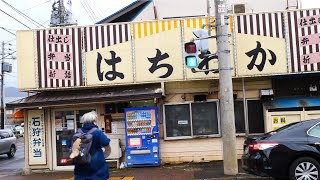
(65, 124)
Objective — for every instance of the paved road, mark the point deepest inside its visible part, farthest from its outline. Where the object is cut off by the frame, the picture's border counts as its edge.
(13, 165)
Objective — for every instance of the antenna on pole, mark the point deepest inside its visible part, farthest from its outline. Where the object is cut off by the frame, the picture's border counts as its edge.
(61, 14)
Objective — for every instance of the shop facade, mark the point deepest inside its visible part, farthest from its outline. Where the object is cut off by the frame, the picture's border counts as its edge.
(110, 67)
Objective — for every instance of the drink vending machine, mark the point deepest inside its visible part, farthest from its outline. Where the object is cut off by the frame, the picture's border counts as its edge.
(142, 137)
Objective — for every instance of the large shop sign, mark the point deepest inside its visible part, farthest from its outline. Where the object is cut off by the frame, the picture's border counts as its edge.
(261, 44)
(36, 136)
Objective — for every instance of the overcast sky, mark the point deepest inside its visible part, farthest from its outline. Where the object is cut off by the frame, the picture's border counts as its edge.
(40, 11)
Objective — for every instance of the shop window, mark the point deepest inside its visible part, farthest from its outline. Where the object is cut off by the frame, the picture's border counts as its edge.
(121, 106)
(111, 108)
(255, 116)
(178, 120)
(191, 119)
(239, 117)
(204, 118)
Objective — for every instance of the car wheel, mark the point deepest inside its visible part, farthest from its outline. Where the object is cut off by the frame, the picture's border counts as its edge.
(304, 168)
(12, 151)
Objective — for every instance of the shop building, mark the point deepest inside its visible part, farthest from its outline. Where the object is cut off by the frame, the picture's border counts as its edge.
(110, 67)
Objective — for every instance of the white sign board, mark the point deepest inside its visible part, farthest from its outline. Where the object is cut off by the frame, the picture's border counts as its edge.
(37, 140)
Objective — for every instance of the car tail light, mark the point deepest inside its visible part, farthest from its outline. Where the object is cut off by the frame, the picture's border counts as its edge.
(64, 161)
(262, 145)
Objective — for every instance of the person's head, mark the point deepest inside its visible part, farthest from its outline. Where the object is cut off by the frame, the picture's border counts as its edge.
(89, 118)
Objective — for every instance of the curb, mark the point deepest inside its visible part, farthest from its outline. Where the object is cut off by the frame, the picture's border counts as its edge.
(239, 176)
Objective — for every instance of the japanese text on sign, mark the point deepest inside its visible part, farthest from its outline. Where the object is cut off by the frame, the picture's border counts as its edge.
(59, 39)
(60, 74)
(36, 134)
(309, 21)
(309, 39)
(59, 56)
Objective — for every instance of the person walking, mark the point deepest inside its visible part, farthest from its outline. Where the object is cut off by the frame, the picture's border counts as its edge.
(97, 169)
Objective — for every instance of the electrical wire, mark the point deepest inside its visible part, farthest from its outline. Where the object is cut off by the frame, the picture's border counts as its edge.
(90, 10)
(99, 11)
(36, 5)
(22, 14)
(15, 19)
(87, 11)
(7, 30)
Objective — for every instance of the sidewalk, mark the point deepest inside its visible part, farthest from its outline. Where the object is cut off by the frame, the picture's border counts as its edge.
(190, 171)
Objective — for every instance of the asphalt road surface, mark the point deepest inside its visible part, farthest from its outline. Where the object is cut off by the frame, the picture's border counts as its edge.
(13, 165)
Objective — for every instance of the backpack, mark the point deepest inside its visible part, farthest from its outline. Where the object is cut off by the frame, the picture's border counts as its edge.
(84, 156)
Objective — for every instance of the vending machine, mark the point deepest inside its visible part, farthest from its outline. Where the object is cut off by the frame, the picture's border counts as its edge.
(142, 137)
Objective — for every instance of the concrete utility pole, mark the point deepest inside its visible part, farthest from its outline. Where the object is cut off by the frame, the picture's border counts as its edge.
(2, 79)
(226, 91)
(61, 11)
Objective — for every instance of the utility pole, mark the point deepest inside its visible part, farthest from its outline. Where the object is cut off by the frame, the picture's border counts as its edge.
(209, 17)
(61, 12)
(230, 163)
(2, 79)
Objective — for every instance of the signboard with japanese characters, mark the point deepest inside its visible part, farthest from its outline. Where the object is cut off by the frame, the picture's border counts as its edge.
(261, 44)
(36, 137)
(304, 40)
(205, 62)
(59, 57)
(157, 57)
(110, 65)
(260, 49)
(263, 56)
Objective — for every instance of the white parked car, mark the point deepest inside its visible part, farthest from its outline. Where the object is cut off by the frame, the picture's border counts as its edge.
(19, 130)
(7, 143)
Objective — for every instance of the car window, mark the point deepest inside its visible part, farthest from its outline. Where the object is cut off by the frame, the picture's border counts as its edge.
(4, 134)
(10, 134)
(315, 131)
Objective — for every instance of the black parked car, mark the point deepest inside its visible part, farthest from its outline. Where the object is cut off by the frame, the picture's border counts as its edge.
(292, 151)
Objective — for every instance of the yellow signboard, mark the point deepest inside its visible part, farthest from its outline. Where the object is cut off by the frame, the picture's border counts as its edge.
(110, 65)
(158, 56)
(205, 63)
(261, 56)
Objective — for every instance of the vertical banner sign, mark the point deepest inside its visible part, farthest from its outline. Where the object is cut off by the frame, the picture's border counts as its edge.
(303, 30)
(308, 40)
(59, 57)
(36, 135)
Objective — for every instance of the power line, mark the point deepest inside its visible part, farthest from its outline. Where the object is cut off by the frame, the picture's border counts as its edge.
(99, 11)
(87, 11)
(7, 30)
(15, 19)
(22, 14)
(36, 5)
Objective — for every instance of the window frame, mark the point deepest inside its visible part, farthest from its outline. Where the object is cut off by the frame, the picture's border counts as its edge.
(246, 124)
(191, 124)
(308, 132)
(247, 116)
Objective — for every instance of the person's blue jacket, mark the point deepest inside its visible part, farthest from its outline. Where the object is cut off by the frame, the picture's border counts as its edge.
(98, 168)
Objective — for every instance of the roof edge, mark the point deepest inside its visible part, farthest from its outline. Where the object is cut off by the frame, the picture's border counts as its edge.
(121, 10)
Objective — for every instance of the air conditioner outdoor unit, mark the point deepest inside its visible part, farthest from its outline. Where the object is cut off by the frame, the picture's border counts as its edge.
(239, 8)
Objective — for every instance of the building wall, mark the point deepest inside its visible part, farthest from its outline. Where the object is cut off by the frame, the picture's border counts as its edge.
(195, 150)
(290, 117)
(206, 148)
(184, 8)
